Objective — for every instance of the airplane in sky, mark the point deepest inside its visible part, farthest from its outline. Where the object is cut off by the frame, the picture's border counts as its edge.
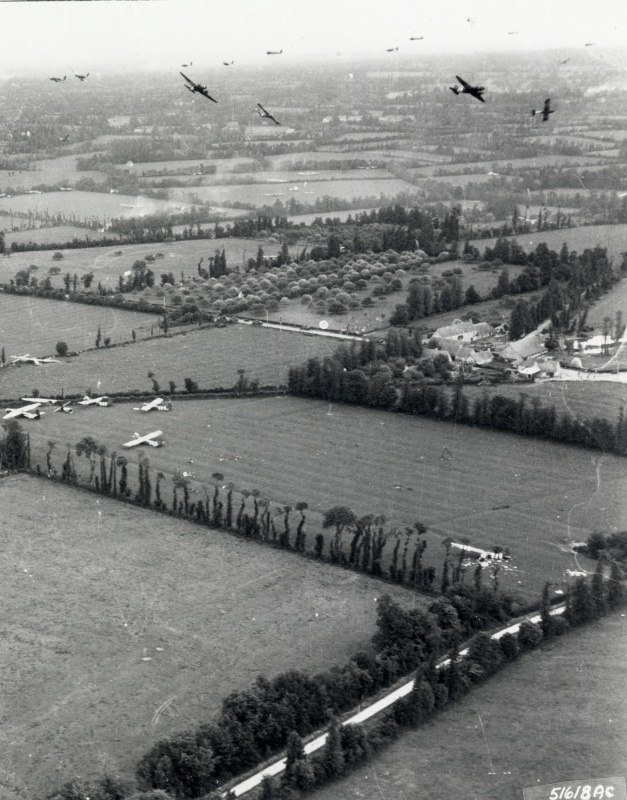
(30, 411)
(158, 404)
(58, 80)
(274, 52)
(266, 114)
(151, 439)
(103, 401)
(28, 359)
(416, 38)
(392, 50)
(81, 77)
(545, 111)
(228, 63)
(197, 87)
(473, 91)
(187, 65)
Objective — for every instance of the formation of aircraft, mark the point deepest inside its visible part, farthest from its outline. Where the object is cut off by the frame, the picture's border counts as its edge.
(158, 404)
(266, 114)
(102, 401)
(151, 439)
(30, 411)
(81, 77)
(192, 86)
(28, 359)
(546, 111)
(473, 91)
(58, 80)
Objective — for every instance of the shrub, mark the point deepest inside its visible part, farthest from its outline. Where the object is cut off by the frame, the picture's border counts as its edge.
(61, 348)
(529, 635)
(509, 646)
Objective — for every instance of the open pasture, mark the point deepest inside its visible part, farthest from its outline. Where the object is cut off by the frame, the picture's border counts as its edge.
(614, 300)
(122, 629)
(59, 171)
(57, 234)
(211, 357)
(530, 496)
(613, 237)
(521, 738)
(261, 194)
(108, 263)
(88, 205)
(35, 325)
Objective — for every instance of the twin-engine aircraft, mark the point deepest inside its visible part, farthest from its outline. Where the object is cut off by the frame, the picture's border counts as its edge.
(158, 404)
(58, 80)
(30, 411)
(192, 86)
(151, 439)
(103, 401)
(28, 359)
(545, 111)
(473, 91)
(266, 114)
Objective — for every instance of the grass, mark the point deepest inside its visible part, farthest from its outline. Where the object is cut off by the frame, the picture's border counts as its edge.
(505, 736)
(613, 237)
(85, 603)
(520, 493)
(35, 325)
(106, 266)
(211, 357)
(261, 194)
(59, 171)
(55, 235)
(87, 205)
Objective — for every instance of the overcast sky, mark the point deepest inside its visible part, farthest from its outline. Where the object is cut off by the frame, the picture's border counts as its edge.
(66, 36)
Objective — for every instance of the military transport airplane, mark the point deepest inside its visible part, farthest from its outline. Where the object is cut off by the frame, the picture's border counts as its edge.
(416, 38)
(158, 404)
(274, 52)
(391, 50)
(197, 87)
(58, 80)
(473, 91)
(188, 65)
(81, 77)
(28, 359)
(151, 439)
(545, 111)
(31, 411)
(102, 401)
(228, 63)
(266, 114)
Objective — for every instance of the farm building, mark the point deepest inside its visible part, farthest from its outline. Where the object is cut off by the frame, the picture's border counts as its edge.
(468, 355)
(464, 331)
(529, 346)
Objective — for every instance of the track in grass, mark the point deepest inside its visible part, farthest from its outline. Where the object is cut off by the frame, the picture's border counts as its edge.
(122, 629)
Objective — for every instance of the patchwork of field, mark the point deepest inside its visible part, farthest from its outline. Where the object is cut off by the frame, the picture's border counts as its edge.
(108, 263)
(530, 496)
(89, 205)
(508, 735)
(34, 325)
(613, 237)
(59, 171)
(121, 630)
(264, 193)
(211, 357)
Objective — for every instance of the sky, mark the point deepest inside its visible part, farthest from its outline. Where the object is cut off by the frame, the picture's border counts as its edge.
(160, 34)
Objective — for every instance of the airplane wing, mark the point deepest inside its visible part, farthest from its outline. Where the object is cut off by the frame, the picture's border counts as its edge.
(151, 436)
(463, 82)
(206, 94)
(133, 442)
(478, 96)
(189, 80)
(262, 108)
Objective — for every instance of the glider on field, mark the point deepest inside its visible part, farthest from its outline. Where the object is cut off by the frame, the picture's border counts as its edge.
(41, 400)
(158, 404)
(103, 401)
(31, 411)
(58, 80)
(81, 77)
(274, 52)
(228, 63)
(266, 114)
(64, 138)
(151, 439)
(545, 111)
(473, 91)
(66, 408)
(28, 359)
(197, 87)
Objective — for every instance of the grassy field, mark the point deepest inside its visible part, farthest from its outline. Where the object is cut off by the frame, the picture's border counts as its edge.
(615, 300)
(59, 171)
(508, 735)
(613, 237)
(211, 357)
(88, 205)
(57, 234)
(121, 630)
(527, 495)
(308, 191)
(108, 263)
(35, 325)
(578, 398)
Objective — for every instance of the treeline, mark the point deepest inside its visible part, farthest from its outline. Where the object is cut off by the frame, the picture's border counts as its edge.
(359, 375)
(254, 724)
(610, 545)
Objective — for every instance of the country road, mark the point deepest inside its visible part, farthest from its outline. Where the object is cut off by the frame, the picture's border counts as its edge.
(370, 711)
